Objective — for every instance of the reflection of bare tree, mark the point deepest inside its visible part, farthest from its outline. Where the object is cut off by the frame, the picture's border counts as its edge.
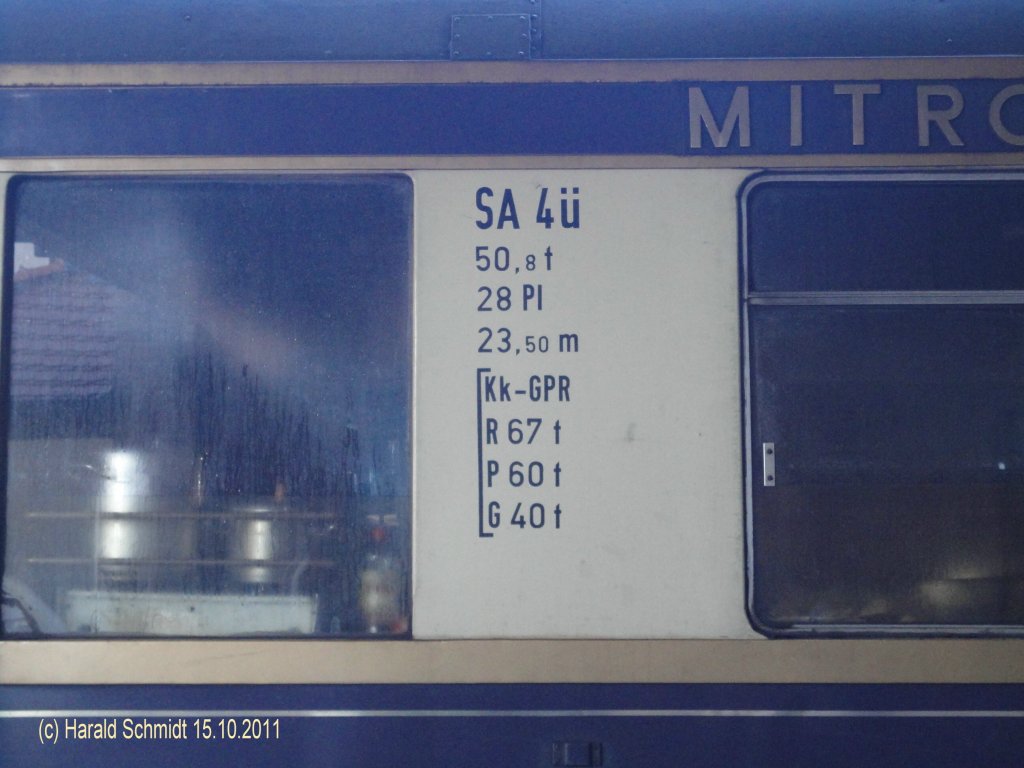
(247, 439)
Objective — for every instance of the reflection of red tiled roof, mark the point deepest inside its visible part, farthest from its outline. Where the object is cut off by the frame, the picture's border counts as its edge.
(28, 273)
(64, 333)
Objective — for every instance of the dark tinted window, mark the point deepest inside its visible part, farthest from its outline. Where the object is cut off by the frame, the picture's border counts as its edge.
(886, 455)
(898, 439)
(880, 236)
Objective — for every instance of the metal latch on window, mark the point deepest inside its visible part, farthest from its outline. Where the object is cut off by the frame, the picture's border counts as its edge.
(768, 461)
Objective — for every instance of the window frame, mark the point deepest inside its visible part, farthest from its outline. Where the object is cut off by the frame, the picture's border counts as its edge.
(202, 175)
(749, 298)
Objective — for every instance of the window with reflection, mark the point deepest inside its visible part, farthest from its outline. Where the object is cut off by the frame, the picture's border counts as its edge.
(885, 370)
(209, 388)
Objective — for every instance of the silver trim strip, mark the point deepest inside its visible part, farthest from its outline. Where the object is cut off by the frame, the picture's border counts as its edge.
(825, 298)
(469, 713)
(397, 163)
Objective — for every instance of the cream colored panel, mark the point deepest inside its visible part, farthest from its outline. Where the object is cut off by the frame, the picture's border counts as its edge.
(290, 73)
(592, 489)
(507, 661)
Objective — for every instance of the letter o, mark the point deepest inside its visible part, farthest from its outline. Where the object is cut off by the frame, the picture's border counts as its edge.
(995, 115)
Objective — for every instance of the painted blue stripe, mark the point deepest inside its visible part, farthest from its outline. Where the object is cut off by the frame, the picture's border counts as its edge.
(699, 726)
(527, 697)
(477, 119)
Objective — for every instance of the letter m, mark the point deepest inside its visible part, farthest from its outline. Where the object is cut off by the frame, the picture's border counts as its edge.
(701, 117)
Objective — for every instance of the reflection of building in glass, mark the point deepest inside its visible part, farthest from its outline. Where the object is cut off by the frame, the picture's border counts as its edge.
(64, 344)
(210, 388)
(89, 361)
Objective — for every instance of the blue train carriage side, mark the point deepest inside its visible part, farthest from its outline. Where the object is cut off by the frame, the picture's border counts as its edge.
(512, 382)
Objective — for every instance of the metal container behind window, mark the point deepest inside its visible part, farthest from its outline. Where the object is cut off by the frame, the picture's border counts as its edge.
(264, 547)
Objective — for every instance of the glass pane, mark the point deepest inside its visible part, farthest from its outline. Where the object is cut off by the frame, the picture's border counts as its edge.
(885, 235)
(898, 439)
(210, 386)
